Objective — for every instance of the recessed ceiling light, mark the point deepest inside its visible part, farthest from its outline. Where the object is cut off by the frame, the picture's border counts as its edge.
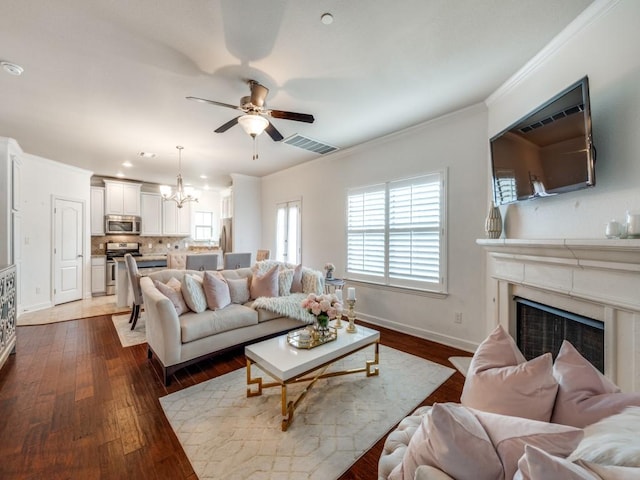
(147, 154)
(127, 164)
(327, 18)
(120, 175)
(12, 68)
(203, 176)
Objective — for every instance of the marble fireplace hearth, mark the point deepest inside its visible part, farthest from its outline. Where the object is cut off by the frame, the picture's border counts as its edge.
(599, 279)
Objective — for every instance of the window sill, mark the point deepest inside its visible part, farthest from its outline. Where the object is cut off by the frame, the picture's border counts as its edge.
(397, 289)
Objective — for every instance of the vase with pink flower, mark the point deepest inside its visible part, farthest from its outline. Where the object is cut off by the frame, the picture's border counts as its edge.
(324, 308)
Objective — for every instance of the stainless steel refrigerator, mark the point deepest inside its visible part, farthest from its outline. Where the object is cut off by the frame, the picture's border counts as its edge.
(226, 235)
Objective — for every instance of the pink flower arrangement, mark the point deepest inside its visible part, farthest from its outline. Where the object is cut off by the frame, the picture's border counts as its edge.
(324, 307)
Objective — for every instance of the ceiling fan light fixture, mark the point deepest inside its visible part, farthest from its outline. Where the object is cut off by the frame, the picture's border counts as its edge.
(253, 124)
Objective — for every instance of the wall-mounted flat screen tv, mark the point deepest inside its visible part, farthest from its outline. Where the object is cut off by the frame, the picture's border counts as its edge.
(547, 152)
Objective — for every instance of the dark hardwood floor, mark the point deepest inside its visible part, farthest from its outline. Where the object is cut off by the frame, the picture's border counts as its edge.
(75, 404)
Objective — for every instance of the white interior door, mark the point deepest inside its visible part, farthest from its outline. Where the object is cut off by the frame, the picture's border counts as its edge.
(288, 232)
(68, 250)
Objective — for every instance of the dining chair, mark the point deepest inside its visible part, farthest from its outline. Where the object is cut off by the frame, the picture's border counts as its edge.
(204, 261)
(263, 255)
(233, 261)
(134, 281)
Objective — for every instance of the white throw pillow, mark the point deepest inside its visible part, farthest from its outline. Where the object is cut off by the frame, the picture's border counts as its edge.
(193, 293)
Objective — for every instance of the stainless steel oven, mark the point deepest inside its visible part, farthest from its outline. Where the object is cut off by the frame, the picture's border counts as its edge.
(122, 225)
(117, 250)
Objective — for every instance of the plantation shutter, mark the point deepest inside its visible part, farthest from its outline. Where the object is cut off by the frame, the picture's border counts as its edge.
(415, 229)
(396, 233)
(366, 231)
(505, 187)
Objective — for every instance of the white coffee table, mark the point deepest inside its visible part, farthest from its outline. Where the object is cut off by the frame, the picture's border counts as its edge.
(287, 364)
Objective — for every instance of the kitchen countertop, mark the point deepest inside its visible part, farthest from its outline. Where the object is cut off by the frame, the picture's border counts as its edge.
(143, 258)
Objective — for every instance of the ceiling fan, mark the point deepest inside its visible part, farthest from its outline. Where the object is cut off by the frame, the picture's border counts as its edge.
(255, 121)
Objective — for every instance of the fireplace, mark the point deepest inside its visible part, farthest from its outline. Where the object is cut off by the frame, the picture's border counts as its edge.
(541, 328)
(595, 279)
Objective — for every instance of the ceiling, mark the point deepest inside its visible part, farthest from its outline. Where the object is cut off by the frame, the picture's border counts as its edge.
(105, 80)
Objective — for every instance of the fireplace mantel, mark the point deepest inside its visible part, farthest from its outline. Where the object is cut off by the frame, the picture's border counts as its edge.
(596, 278)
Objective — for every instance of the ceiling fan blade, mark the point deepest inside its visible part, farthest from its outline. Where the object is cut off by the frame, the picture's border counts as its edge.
(227, 126)
(273, 132)
(298, 117)
(213, 102)
(258, 93)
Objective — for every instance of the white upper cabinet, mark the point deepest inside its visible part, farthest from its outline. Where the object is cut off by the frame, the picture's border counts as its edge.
(177, 221)
(151, 212)
(97, 211)
(122, 198)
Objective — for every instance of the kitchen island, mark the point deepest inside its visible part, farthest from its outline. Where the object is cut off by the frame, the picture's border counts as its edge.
(146, 265)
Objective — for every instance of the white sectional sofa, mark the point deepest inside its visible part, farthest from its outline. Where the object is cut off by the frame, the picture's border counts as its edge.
(181, 340)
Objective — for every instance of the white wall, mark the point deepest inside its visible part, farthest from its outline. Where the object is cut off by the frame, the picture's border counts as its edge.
(42, 180)
(603, 43)
(457, 142)
(247, 219)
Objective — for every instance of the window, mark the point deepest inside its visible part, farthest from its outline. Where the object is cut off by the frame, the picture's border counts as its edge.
(505, 186)
(396, 234)
(288, 232)
(203, 226)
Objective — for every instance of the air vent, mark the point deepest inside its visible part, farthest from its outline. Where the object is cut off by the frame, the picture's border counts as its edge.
(553, 118)
(309, 144)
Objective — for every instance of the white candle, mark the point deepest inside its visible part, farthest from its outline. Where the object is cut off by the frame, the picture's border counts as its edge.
(339, 295)
(351, 293)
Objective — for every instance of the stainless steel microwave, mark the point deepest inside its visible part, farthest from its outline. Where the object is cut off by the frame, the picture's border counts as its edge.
(122, 225)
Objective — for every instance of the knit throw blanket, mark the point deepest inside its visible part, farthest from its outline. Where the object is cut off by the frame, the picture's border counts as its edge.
(288, 306)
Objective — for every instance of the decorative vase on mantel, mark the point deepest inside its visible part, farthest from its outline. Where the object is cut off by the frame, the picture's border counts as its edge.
(493, 223)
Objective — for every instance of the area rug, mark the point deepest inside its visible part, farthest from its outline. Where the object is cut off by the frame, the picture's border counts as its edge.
(127, 336)
(461, 363)
(229, 436)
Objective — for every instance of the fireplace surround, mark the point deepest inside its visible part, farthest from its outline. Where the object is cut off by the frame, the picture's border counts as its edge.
(598, 279)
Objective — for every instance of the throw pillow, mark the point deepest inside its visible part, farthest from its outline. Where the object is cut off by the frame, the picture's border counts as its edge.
(285, 279)
(216, 291)
(612, 441)
(536, 464)
(584, 394)
(265, 285)
(451, 439)
(500, 380)
(238, 290)
(509, 435)
(296, 282)
(173, 294)
(193, 293)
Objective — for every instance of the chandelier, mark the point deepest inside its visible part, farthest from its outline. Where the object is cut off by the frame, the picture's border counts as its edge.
(182, 194)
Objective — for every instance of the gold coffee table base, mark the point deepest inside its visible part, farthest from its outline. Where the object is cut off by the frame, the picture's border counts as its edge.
(288, 406)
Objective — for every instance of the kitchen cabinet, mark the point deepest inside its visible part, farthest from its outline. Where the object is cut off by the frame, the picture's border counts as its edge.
(97, 211)
(98, 275)
(176, 221)
(122, 198)
(151, 213)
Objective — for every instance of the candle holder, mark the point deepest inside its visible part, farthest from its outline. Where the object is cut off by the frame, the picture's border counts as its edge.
(351, 315)
(338, 322)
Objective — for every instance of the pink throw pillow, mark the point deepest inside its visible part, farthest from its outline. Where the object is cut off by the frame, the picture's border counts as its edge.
(536, 464)
(265, 285)
(451, 439)
(585, 396)
(509, 435)
(216, 291)
(500, 380)
(296, 284)
(173, 293)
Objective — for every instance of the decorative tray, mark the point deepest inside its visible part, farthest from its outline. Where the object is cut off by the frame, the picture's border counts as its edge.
(313, 340)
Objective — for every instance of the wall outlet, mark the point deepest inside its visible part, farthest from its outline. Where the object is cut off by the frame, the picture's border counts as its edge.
(458, 318)
(37, 290)
(101, 246)
(150, 245)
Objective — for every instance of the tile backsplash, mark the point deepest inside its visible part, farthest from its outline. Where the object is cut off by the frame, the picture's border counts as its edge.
(148, 245)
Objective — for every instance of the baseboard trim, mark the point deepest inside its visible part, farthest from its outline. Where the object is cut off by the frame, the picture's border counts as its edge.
(420, 333)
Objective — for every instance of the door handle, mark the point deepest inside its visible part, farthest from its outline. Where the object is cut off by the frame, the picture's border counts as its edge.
(80, 256)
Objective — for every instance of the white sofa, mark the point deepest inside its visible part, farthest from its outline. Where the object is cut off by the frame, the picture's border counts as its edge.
(179, 341)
